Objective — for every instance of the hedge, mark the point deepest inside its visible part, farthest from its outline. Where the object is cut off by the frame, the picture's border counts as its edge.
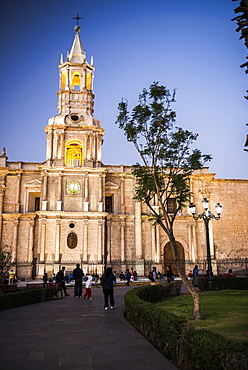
(25, 297)
(176, 338)
(223, 283)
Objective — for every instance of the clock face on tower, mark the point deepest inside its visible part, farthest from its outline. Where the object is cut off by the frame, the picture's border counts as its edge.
(73, 187)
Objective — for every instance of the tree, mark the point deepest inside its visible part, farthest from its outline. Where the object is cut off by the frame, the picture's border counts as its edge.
(167, 164)
(242, 22)
(6, 262)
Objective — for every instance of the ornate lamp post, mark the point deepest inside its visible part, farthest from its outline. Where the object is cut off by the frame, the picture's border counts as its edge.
(206, 216)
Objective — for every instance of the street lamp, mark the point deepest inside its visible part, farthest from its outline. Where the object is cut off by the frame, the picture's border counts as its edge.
(206, 216)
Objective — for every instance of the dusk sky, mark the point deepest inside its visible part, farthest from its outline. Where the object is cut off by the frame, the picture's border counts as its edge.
(189, 45)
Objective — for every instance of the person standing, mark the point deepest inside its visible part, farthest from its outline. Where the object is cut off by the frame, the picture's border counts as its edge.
(88, 284)
(154, 274)
(196, 270)
(107, 280)
(169, 274)
(11, 277)
(128, 277)
(45, 279)
(78, 274)
(60, 278)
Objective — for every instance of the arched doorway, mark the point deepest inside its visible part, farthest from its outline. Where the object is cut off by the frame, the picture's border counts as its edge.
(169, 259)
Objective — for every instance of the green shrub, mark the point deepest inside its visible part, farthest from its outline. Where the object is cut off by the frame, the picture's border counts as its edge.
(25, 297)
(176, 338)
(223, 283)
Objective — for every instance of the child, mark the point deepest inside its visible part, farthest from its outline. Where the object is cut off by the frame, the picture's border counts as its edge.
(88, 287)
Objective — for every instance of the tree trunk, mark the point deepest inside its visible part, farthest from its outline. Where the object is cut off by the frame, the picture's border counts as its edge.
(186, 281)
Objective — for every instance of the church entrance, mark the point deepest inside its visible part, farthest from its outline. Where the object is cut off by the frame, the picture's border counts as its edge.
(169, 259)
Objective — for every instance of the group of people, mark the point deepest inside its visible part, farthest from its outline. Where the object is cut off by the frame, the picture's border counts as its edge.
(107, 281)
(154, 275)
(130, 275)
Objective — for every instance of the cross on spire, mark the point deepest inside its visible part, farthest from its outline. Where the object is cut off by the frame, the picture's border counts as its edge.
(77, 18)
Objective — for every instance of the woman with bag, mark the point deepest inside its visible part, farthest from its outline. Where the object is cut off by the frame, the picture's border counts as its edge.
(107, 283)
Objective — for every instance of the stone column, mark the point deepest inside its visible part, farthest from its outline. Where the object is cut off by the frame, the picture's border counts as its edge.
(49, 149)
(194, 246)
(158, 251)
(100, 251)
(55, 144)
(100, 202)
(2, 191)
(122, 195)
(57, 239)
(122, 224)
(109, 224)
(62, 144)
(85, 240)
(138, 230)
(153, 242)
(99, 148)
(18, 189)
(86, 193)
(67, 78)
(59, 201)
(15, 239)
(31, 241)
(42, 239)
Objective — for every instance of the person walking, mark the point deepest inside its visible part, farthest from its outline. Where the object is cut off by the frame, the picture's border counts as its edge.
(60, 278)
(88, 284)
(78, 274)
(107, 280)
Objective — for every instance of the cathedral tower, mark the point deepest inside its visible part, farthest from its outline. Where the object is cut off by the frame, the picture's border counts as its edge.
(74, 136)
(71, 218)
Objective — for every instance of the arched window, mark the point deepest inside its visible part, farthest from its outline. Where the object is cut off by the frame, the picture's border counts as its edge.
(75, 85)
(74, 153)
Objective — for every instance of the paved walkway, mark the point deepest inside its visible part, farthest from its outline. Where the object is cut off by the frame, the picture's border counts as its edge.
(73, 334)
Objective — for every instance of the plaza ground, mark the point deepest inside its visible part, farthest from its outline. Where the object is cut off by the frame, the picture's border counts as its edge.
(73, 334)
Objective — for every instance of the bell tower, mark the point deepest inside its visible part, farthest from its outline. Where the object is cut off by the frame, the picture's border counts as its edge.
(74, 136)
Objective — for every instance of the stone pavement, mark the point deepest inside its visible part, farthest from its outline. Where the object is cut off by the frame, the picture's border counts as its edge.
(73, 334)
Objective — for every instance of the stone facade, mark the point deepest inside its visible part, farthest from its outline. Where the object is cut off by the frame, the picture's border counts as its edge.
(73, 209)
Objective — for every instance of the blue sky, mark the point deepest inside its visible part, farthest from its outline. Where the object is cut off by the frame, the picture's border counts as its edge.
(189, 45)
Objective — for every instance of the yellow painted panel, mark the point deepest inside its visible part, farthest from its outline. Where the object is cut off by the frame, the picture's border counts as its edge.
(88, 81)
(63, 80)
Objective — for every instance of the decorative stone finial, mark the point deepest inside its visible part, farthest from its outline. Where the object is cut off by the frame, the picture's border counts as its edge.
(3, 152)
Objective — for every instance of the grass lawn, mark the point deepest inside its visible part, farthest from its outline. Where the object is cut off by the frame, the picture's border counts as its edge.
(224, 312)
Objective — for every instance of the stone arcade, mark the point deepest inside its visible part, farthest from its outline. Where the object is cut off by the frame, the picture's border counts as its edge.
(72, 208)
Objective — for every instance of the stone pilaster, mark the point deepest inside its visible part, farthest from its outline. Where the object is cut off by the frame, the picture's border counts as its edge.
(42, 239)
(57, 239)
(138, 230)
(2, 191)
(85, 240)
(31, 241)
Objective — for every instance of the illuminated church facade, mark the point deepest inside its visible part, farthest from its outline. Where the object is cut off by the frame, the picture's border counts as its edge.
(74, 209)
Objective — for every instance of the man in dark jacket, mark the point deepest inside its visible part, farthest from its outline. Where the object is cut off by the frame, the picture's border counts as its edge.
(107, 282)
(60, 278)
(78, 274)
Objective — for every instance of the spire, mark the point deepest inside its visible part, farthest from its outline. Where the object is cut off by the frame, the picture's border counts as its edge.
(77, 53)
